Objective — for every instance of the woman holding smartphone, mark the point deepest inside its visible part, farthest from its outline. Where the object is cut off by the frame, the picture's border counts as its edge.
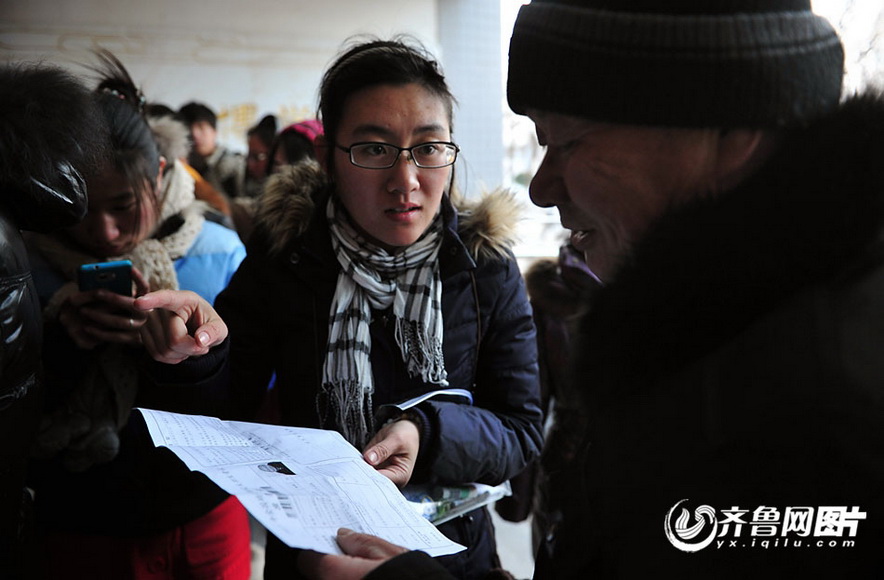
(370, 283)
(106, 506)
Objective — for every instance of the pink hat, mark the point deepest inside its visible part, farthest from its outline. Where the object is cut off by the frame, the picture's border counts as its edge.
(310, 128)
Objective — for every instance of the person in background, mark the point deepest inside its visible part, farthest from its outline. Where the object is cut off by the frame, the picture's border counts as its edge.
(109, 505)
(369, 282)
(292, 145)
(51, 134)
(172, 140)
(560, 291)
(260, 139)
(223, 168)
(731, 201)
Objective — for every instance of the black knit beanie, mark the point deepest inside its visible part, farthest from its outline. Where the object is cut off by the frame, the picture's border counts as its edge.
(686, 63)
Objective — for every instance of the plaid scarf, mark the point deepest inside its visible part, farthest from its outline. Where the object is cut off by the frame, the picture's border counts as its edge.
(372, 278)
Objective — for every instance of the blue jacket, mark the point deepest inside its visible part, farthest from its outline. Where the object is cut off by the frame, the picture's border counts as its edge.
(209, 264)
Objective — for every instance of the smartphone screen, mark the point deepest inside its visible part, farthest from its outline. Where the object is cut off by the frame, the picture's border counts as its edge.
(114, 276)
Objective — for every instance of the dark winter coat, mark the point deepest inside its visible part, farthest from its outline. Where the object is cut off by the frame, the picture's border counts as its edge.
(277, 310)
(41, 202)
(736, 362)
(50, 134)
(21, 340)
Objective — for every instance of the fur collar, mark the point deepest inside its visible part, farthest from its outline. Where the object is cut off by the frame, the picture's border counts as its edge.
(709, 268)
(171, 136)
(487, 226)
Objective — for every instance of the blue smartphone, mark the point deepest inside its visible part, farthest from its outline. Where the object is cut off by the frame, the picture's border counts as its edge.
(114, 276)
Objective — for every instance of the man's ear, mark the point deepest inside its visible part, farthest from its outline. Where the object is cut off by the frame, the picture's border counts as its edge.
(740, 153)
(320, 149)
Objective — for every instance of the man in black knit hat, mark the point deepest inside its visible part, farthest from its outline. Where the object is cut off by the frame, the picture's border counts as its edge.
(731, 202)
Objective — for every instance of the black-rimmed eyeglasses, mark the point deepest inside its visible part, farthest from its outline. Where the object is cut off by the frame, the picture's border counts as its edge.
(373, 155)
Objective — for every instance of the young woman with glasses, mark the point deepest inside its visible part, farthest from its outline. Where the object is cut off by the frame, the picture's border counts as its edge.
(369, 283)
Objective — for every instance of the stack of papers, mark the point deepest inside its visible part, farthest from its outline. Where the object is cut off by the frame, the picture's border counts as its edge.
(301, 484)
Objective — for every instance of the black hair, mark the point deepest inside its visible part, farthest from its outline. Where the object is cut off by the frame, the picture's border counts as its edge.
(133, 148)
(194, 112)
(295, 147)
(160, 110)
(399, 61)
(264, 130)
(51, 135)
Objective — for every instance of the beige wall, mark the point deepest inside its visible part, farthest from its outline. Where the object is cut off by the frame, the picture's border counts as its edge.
(243, 58)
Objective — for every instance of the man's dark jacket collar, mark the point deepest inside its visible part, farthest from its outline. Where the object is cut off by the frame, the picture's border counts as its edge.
(709, 268)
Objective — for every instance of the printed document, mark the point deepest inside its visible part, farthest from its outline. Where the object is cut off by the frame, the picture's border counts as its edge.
(301, 484)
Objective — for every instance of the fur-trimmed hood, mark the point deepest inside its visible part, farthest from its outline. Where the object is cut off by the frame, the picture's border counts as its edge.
(486, 226)
(708, 269)
(171, 136)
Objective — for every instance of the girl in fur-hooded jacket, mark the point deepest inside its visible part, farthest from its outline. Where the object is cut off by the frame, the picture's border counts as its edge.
(277, 309)
(482, 300)
(366, 287)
